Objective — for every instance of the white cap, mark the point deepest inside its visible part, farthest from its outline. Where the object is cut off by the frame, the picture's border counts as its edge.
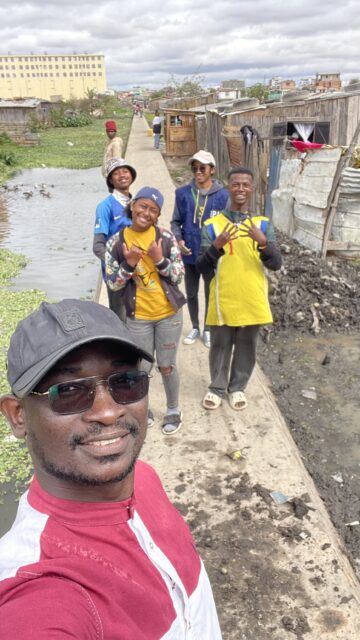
(205, 157)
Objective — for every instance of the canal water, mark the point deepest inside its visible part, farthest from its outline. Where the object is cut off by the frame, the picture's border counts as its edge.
(48, 215)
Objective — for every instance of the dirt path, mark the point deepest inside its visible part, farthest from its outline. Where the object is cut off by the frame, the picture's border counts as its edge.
(278, 571)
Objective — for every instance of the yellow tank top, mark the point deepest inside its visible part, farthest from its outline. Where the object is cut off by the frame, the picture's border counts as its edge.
(239, 290)
(151, 302)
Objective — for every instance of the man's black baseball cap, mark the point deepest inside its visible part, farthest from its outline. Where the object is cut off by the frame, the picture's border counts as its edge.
(51, 332)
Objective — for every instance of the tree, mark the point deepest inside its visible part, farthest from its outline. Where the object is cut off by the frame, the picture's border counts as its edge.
(258, 91)
(187, 87)
(354, 81)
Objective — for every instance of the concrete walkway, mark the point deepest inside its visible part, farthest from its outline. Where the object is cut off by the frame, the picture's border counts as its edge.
(279, 571)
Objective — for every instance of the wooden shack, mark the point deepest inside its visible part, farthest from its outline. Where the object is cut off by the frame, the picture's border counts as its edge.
(332, 116)
(16, 117)
(180, 132)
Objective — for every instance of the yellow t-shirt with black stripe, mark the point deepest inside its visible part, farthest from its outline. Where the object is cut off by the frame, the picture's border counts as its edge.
(151, 302)
(239, 290)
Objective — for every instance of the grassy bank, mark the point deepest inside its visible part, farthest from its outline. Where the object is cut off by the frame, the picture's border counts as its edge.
(15, 465)
(69, 147)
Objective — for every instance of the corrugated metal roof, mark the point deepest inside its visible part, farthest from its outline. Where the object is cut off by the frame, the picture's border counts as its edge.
(13, 104)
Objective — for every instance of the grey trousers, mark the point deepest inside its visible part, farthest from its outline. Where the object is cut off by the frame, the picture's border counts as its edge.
(161, 338)
(232, 357)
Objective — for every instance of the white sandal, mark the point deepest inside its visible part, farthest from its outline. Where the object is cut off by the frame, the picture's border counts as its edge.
(237, 400)
(211, 401)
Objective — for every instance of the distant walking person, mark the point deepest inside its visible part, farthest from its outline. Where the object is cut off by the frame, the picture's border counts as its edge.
(156, 127)
(203, 198)
(114, 147)
(111, 216)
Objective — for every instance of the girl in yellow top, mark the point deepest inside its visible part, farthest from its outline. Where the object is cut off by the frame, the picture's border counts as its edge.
(143, 261)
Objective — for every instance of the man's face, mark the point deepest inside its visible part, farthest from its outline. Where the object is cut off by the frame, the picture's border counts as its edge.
(121, 179)
(111, 133)
(91, 449)
(202, 173)
(240, 186)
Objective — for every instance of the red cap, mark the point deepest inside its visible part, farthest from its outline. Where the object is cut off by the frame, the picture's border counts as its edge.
(110, 125)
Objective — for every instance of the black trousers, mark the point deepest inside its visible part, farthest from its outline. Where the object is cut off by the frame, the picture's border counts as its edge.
(232, 357)
(116, 304)
(192, 281)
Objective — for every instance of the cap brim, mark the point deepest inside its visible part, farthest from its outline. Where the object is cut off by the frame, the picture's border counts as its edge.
(28, 381)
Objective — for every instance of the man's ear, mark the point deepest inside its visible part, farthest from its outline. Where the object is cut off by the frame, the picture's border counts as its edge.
(11, 407)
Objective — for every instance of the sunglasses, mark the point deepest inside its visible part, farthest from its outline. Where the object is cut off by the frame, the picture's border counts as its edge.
(76, 396)
(201, 169)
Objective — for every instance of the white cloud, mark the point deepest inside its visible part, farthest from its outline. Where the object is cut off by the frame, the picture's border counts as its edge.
(146, 41)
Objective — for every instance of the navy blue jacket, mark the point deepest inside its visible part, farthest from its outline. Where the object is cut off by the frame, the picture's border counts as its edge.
(192, 208)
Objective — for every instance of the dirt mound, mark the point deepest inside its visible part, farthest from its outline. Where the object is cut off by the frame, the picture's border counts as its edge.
(312, 294)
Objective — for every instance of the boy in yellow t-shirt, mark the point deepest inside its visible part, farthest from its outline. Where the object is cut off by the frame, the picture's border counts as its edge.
(235, 247)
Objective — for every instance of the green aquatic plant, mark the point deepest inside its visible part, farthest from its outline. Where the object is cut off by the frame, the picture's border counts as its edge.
(15, 463)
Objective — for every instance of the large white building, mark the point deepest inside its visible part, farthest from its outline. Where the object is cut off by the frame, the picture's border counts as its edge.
(51, 77)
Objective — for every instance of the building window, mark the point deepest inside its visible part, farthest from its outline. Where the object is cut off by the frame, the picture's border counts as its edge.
(99, 74)
(64, 75)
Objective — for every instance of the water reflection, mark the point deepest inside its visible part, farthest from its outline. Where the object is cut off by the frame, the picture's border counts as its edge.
(48, 215)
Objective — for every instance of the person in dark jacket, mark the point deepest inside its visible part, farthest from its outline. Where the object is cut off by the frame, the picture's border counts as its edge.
(143, 262)
(236, 245)
(203, 198)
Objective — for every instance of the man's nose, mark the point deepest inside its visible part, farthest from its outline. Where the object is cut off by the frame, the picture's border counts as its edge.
(104, 408)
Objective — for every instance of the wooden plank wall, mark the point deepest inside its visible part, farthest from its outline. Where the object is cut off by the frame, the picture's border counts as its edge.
(342, 112)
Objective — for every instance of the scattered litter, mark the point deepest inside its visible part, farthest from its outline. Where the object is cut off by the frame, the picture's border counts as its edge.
(278, 497)
(303, 535)
(338, 478)
(309, 393)
(70, 144)
(235, 455)
(355, 523)
(326, 360)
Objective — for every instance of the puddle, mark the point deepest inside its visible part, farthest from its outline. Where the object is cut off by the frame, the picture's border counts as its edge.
(48, 215)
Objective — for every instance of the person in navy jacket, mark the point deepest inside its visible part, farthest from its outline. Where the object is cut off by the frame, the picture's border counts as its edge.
(195, 202)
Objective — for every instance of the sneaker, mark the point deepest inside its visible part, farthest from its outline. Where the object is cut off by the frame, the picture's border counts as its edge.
(171, 423)
(150, 419)
(206, 339)
(192, 336)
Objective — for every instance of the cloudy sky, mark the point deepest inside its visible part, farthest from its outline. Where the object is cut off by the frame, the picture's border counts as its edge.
(144, 42)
